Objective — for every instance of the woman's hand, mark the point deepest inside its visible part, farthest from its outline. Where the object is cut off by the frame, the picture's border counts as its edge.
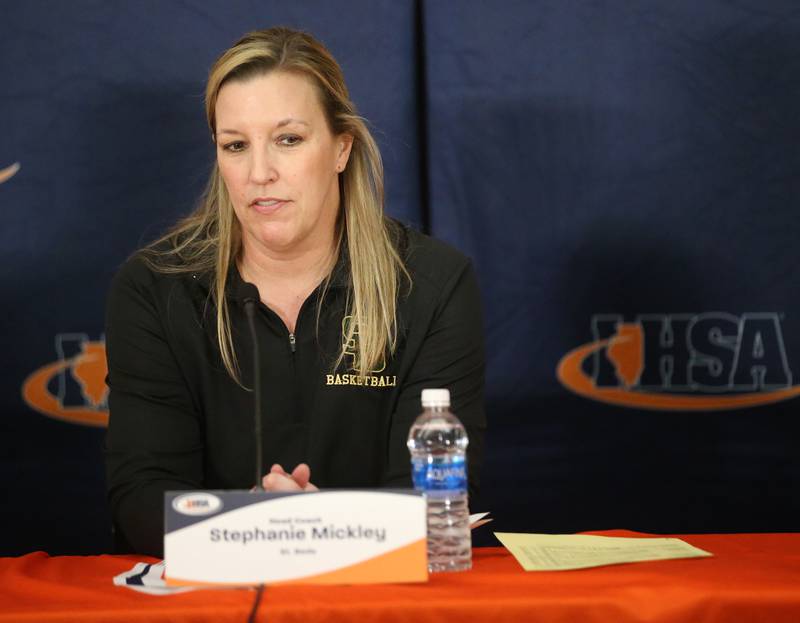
(279, 480)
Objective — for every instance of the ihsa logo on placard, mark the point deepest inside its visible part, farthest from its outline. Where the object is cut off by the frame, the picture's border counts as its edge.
(682, 362)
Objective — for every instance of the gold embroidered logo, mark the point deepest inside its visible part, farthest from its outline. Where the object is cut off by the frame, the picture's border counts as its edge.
(367, 381)
(350, 347)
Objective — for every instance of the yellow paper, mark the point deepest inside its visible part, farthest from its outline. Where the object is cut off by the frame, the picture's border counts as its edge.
(557, 552)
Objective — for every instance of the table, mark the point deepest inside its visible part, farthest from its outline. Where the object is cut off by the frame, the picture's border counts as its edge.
(752, 577)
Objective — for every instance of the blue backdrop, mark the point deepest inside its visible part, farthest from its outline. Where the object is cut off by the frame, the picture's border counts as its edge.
(623, 173)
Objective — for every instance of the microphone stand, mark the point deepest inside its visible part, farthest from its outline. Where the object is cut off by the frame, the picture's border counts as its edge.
(250, 308)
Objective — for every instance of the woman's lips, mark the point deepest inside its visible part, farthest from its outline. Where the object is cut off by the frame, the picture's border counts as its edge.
(268, 206)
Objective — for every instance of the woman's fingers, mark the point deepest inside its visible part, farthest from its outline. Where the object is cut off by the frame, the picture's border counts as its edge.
(301, 475)
(275, 481)
(279, 480)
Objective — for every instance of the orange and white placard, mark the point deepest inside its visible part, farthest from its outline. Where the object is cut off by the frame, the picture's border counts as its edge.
(326, 537)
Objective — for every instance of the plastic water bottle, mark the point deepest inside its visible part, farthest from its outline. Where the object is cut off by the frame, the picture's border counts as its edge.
(438, 444)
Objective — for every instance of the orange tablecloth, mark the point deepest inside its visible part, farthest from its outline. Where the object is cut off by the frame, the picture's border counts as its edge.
(752, 577)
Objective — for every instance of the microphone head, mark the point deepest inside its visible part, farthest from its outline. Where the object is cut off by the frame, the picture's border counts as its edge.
(248, 293)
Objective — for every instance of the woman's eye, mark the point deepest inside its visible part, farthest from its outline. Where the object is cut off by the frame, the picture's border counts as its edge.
(234, 146)
(289, 140)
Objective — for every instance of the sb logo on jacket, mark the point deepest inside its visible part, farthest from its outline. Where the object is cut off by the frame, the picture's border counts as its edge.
(374, 379)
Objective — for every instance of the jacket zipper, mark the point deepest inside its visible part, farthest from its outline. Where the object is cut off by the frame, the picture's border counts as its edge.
(292, 341)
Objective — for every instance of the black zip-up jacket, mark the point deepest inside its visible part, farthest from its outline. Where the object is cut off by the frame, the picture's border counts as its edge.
(178, 421)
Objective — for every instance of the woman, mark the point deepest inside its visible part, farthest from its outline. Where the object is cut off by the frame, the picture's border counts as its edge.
(357, 314)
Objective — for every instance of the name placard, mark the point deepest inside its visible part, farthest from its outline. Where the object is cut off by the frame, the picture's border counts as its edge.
(325, 537)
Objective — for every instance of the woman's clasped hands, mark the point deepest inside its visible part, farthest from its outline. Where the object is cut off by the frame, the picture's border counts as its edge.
(279, 480)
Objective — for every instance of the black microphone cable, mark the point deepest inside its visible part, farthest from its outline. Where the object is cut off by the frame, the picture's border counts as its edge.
(254, 609)
(251, 298)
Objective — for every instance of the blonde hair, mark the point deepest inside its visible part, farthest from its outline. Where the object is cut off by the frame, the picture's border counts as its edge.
(209, 239)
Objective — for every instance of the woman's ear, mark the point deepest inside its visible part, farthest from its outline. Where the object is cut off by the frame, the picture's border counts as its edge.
(345, 145)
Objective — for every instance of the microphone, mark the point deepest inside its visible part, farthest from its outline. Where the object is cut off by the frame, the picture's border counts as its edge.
(249, 297)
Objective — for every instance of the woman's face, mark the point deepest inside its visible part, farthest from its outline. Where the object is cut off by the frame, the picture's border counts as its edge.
(280, 163)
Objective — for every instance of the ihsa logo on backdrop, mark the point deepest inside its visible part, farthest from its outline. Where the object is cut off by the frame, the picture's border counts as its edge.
(73, 388)
(8, 172)
(682, 362)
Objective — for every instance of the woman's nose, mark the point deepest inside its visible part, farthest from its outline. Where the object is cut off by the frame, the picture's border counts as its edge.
(263, 169)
